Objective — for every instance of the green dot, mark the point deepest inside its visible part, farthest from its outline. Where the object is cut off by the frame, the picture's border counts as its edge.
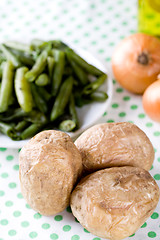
(124, 23)
(89, 20)
(132, 235)
(3, 149)
(92, 5)
(24, 224)
(9, 158)
(68, 209)
(111, 44)
(107, 22)
(104, 36)
(126, 98)
(151, 167)
(4, 222)
(157, 176)
(158, 159)
(115, 105)
(114, 81)
(45, 225)
(149, 124)
(76, 41)
(37, 215)
(122, 114)
(108, 59)
(151, 234)
(141, 115)
(2, 193)
(12, 185)
(19, 195)
(4, 175)
(66, 228)
(144, 225)
(33, 234)
(96, 28)
(96, 238)
(58, 218)
(157, 133)
(9, 203)
(54, 236)
(155, 215)
(12, 232)
(75, 237)
(104, 114)
(27, 206)
(85, 230)
(17, 214)
(110, 120)
(101, 50)
(76, 220)
(69, 33)
(16, 167)
(93, 42)
(119, 90)
(134, 107)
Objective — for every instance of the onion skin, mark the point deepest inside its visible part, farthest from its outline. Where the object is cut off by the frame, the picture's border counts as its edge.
(133, 75)
(151, 101)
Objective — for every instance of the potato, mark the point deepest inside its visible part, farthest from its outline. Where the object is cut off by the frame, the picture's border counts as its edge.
(49, 167)
(115, 144)
(113, 203)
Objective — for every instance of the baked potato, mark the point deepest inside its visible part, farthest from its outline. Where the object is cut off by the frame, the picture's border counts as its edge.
(50, 165)
(115, 144)
(113, 203)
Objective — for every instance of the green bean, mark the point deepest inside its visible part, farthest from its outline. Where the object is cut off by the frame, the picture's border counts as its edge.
(1, 69)
(67, 125)
(98, 96)
(23, 90)
(10, 56)
(21, 126)
(62, 99)
(50, 62)
(38, 99)
(18, 46)
(38, 67)
(31, 130)
(44, 93)
(13, 114)
(8, 129)
(24, 57)
(72, 111)
(59, 57)
(82, 63)
(7, 86)
(37, 44)
(42, 80)
(58, 44)
(79, 72)
(35, 117)
(92, 87)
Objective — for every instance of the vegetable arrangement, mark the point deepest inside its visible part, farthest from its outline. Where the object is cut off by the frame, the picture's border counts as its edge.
(41, 84)
(136, 66)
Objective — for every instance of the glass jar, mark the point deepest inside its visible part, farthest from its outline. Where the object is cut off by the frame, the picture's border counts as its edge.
(149, 17)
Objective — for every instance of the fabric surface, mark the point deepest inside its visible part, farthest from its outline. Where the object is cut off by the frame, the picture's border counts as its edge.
(96, 26)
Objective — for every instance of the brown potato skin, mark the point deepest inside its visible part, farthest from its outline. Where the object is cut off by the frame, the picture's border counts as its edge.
(50, 165)
(115, 144)
(113, 203)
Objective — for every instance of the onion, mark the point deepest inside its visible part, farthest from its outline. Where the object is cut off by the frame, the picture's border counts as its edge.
(136, 62)
(151, 101)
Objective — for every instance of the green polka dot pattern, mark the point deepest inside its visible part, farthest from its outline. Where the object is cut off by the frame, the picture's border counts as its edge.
(96, 26)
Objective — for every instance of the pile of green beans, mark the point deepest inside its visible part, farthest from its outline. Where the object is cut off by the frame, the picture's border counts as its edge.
(41, 86)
